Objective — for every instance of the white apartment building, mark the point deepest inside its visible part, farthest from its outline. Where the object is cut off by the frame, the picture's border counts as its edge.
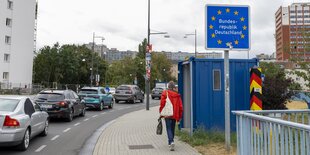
(17, 38)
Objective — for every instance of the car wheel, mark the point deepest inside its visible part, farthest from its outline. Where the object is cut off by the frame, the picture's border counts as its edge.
(101, 106)
(70, 117)
(112, 103)
(25, 143)
(134, 100)
(83, 112)
(153, 98)
(141, 101)
(45, 131)
(116, 101)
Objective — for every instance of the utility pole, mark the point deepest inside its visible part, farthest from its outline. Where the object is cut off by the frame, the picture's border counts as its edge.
(195, 43)
(92, 62)
(193, 34)
(147, 79)
(92, 59)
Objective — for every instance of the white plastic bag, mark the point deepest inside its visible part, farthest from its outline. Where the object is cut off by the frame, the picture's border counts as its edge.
(168, 108)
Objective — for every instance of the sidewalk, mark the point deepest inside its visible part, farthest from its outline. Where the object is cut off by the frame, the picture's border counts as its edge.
(137, 130)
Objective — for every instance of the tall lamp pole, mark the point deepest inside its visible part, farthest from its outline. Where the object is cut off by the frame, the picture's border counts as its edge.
(92, 58)
(147, 79)
(193, 34)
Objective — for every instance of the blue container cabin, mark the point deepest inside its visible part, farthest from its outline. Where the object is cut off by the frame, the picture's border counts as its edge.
(201, 85)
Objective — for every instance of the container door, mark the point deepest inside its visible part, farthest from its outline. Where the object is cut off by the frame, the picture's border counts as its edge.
(187, 97)
(218, 96)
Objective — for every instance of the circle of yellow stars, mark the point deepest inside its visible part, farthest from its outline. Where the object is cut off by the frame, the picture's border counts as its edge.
(236, 13)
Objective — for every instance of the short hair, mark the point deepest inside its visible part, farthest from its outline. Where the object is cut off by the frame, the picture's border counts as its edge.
(171, 85)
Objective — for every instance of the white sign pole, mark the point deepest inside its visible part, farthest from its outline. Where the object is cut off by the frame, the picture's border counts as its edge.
(227, 99)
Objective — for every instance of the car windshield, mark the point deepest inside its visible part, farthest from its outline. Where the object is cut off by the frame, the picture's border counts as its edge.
(88, 91)
(50, 97)
(8, 105)
(123, 88)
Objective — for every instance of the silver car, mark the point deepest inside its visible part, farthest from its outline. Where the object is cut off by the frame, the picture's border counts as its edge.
(20, 120)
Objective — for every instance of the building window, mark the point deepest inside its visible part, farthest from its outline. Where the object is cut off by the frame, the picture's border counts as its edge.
(6, 57)
(7, 39)
(5, 75)
(216, 80)
(8, 22)
(10, 4)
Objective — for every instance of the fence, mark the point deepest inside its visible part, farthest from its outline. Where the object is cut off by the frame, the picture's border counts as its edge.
(273, 132)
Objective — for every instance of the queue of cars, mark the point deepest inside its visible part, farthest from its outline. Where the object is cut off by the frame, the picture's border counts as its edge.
(22, 118)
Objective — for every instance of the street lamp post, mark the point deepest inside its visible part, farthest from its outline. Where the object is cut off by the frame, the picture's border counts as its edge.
(92, 58)
(147, 79)
(193, 34)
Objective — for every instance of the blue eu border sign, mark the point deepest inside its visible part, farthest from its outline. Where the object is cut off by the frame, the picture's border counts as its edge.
(227, 24)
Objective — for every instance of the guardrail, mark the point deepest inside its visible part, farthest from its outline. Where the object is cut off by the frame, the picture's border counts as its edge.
(273, 132)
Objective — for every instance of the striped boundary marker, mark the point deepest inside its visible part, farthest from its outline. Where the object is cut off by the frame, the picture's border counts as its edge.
(256, 89)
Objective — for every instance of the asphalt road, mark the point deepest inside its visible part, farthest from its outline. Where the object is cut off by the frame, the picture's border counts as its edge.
(67, 138)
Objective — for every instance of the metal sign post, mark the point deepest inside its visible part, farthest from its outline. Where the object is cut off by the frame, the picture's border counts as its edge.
(227, 101)
(227, 28)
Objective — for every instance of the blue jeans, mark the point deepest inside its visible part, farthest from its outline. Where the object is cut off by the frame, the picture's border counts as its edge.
(170, 126)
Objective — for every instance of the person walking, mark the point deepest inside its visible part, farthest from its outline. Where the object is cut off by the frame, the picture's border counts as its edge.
(176, 101)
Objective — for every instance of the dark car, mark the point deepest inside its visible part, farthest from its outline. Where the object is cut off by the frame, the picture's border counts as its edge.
(128, 93)
(61, 104)
(156, 92)
(96, 97)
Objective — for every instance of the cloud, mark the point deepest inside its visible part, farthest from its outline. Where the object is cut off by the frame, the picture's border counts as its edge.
(124, 23)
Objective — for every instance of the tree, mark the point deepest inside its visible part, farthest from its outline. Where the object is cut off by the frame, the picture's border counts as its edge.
(65, 65)
(275, 87)
(125, 71)
(161, 68)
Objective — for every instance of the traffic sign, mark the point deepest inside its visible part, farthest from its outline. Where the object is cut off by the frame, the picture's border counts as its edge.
(227, 27)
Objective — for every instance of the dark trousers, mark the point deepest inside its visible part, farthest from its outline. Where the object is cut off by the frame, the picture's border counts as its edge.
(170, 126)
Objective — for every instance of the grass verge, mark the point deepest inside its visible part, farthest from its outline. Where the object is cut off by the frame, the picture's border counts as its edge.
(208, 142)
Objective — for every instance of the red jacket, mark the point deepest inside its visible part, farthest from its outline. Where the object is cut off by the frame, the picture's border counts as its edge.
(176, 101)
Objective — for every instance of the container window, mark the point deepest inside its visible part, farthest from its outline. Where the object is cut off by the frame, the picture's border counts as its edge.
(216, 80)
(10, 4)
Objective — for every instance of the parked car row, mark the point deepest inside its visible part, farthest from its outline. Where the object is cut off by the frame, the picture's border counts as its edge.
(22, 118)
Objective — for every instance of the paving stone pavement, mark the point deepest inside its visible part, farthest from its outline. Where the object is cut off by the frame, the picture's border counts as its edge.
(138, 128)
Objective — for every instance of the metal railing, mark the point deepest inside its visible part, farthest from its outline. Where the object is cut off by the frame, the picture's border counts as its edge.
(273, 132)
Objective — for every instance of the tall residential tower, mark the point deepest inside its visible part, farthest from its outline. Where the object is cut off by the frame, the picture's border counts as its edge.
(17, 35)
(293, 32)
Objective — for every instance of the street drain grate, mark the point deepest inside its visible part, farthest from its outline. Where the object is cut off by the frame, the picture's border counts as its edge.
(138, 147)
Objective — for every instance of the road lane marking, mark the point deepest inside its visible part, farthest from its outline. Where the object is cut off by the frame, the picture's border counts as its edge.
(77, 124)
(67, 130)
(102, 113)
(95, 116)
(86, 119)
(55, 137)
(40, 148)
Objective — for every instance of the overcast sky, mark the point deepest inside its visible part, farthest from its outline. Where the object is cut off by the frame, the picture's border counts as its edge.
(123, 23)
